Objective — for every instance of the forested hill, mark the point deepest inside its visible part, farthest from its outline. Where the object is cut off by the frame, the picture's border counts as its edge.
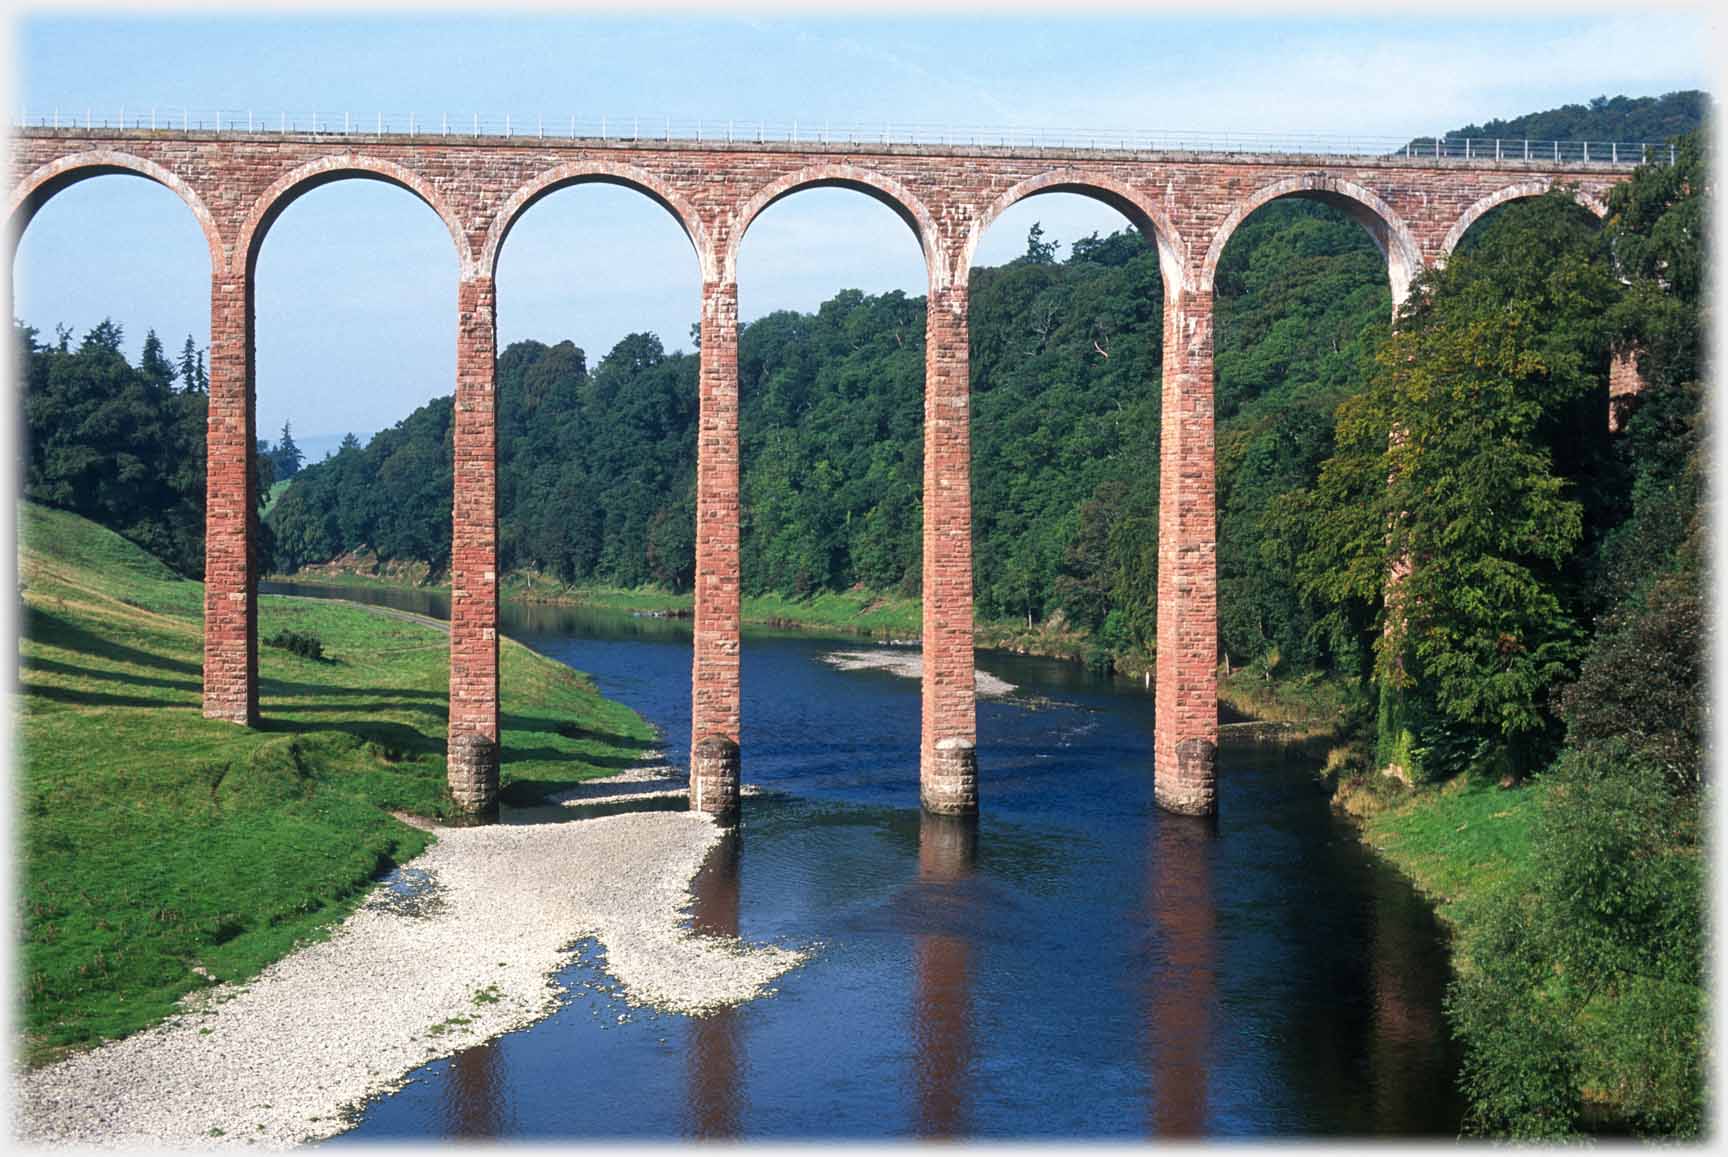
(1623, 118)
(597, 465)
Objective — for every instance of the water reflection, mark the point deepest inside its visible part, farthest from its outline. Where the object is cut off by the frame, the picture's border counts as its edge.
(942, 1014)
(1409, 983)
(715, 1049)
(1182, 990)
(474, 1106)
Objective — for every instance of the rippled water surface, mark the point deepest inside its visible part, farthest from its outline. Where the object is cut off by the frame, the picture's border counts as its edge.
(1076, 963)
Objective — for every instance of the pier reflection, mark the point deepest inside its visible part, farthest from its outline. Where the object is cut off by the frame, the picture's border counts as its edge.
(942, 1016)
(715, 1054)
(1182, 987)
(474, 1100)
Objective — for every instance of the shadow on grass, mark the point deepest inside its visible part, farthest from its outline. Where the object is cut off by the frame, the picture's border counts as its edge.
(513, 754)
(289, 689)
(571, 730)
(44, 626)
(77, 698)
(54, 666)
(400, 739)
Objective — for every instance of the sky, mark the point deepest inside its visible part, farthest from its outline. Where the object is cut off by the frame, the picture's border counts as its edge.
(357, 280)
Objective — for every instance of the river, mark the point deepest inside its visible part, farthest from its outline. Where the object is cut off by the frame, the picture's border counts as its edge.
(1074, 964)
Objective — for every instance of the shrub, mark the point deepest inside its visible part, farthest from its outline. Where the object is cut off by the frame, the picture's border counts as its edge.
(304, 644)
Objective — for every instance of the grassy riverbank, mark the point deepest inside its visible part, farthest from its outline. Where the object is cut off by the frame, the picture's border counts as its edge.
(1461, 842)
(161, 851)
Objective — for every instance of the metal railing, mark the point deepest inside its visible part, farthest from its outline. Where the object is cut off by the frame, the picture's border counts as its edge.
(633, 127)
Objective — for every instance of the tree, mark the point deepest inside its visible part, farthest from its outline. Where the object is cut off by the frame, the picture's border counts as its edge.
(1038, 250)
(154, 364)
(114, 443)
(1492, 351)
(287, 456)
(192, 368)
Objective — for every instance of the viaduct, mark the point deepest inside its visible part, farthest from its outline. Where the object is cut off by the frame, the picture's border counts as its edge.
(236, 183)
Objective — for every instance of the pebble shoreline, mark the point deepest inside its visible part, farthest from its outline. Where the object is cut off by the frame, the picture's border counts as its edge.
(286, 1058)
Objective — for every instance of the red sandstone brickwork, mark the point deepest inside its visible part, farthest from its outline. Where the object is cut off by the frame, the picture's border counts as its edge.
(1187, 670)
(714, 669)
(236, 185)
(474, 551)
(1624, 384)
(231, 511)
(948, 770)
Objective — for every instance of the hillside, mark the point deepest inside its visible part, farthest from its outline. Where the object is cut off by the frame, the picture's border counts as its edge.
(160, 851)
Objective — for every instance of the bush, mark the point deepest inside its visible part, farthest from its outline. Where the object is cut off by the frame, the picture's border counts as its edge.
(304, 644)
(1584, 990)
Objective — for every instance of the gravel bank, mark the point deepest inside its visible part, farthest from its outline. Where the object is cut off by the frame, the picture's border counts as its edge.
(465, 952)
(911, 665)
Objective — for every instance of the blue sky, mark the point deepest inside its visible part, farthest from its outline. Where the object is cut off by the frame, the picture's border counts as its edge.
(357, 280)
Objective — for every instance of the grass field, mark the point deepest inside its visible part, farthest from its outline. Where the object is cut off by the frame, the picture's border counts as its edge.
(160, 851)
(1461, 841)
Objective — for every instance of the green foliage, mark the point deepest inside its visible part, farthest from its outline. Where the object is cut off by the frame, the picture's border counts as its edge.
(1448, 464)
(115, 443)
(1585, 984)
(1622, 118)
(304, 644)
(1580, 994)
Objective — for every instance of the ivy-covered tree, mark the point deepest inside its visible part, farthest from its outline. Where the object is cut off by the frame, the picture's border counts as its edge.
(1446, 466)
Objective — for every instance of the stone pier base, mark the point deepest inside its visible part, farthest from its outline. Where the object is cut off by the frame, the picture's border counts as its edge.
(1193, 790)
(714, 776)
(949, 783)
(473, 773)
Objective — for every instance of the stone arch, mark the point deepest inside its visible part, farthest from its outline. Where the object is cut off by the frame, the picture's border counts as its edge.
(1391, 235)
(604, 172)
(1535, 187)
(906, 205)
(39, 187)
(335, 167)
(1142, 211)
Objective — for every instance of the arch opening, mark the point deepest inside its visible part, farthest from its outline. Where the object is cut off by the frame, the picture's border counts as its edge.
(1139, 210)
(1468, 227)
(831, 381)
(1069, 291)
(597, 173)
(347, 290)
(886, 191)
(1300, 297)
(598, 298)
(1385, 228)
(52, 179)
(103, 267)
(331, 170)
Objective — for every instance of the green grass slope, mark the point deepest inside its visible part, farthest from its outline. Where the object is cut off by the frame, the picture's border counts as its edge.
(157, 846)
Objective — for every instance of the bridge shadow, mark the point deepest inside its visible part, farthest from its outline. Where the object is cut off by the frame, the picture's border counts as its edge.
(44, 626)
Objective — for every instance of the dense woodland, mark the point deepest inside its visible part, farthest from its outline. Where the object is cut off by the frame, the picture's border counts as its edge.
(1549, 620)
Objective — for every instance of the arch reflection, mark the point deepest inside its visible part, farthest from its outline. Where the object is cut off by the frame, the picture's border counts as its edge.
(942, 1014)
(715, 1053)
(1182, 986)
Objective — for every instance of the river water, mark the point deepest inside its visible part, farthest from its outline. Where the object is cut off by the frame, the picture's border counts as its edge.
(1074, 964)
